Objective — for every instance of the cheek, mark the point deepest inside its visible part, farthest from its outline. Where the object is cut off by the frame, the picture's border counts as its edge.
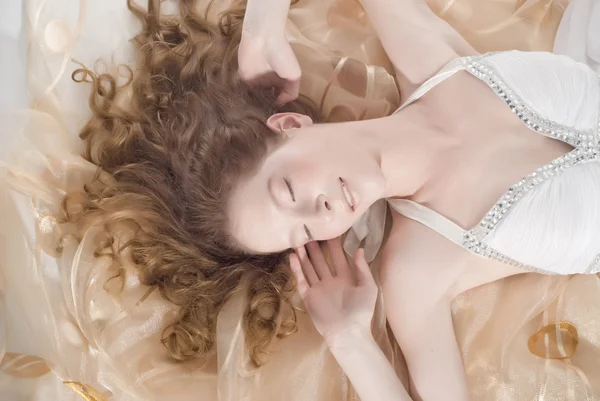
(367, 175)
(336, 227)
(307, 170)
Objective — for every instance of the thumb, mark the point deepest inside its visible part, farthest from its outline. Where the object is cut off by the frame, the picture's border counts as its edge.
(287, 68)
(285, 64)
(289, 92)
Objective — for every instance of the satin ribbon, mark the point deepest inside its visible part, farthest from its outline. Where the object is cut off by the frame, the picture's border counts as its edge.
(553, 336)
(368, 230)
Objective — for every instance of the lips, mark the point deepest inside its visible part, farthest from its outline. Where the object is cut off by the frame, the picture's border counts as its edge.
(348, 195)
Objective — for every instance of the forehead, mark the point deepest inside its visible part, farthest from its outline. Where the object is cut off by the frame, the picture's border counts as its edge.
(256, 223)
(255, 220)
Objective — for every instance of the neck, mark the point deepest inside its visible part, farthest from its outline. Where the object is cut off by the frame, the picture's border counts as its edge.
(409, 148)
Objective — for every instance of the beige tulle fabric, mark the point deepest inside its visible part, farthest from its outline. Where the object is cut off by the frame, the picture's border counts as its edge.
(68, 333)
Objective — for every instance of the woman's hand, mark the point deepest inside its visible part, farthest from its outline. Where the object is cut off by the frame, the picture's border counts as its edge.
(265, 57)
(335, 301)
(268, 61)
(341, 309)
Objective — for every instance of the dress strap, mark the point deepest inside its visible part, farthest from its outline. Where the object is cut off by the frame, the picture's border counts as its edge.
(450, 69)
(428, 218)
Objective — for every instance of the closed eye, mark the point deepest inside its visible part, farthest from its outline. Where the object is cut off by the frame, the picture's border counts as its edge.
(290, 189)
(308, 233)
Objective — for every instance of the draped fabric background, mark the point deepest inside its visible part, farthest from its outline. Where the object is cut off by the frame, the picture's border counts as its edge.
(579, 31)
(68, 335)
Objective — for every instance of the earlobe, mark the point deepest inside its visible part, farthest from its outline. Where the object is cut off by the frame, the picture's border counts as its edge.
(285, 122)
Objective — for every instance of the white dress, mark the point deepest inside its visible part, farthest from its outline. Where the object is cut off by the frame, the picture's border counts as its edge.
(578, 33)
(549, 222)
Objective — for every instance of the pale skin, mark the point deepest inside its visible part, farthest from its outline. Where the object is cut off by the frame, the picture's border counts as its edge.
(407, 155)
(268, 57)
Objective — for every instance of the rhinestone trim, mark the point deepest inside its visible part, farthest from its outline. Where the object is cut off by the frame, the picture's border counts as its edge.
(518, 190)
(586, 148)
(481, 249)
(534, 122)
(595, 265)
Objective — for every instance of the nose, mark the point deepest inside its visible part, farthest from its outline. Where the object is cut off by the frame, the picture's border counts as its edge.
(324, 207)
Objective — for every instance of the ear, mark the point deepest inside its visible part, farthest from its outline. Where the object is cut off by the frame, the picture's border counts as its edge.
(281, 123)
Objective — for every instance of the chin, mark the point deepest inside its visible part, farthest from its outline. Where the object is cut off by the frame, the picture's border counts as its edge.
(365, 205)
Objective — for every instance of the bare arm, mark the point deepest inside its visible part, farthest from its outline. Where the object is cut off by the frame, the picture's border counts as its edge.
(266, 16)
(341, 309)
(432, 354)
(367, 368)
(416, 40)
(418, 277)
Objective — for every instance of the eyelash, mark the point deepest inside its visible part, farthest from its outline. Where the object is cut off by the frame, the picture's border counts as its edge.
(308, 233)
(290, 189)
(306, 230)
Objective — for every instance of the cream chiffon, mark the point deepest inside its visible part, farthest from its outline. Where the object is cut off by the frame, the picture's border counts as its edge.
(66, 334)
(578, 34)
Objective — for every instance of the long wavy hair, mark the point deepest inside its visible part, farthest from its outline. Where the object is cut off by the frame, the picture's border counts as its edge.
(173, 140)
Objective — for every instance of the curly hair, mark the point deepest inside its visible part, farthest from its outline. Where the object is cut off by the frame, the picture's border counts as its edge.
(173, 140)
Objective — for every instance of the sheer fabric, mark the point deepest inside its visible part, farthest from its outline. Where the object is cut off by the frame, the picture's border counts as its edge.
(578, 34)
(66, 334)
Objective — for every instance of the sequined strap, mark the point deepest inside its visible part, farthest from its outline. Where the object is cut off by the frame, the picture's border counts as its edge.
(594, 267)
(586, 148)
(428, 218)
(450, 69)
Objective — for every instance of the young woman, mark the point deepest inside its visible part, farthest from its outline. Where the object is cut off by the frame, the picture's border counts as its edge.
(450, 158)
(214, 179)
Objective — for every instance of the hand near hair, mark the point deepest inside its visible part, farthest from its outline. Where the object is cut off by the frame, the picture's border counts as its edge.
(335, 301)
(269, 62)
(265, 57)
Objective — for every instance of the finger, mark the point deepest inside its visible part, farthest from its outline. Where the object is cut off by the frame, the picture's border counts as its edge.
(269, 80)
(266, 80)
(338, 257)
(286, 65)
(318, 260)
(307, 267)
(249, 76)
(302, 284)
(364, 277)
(289, 92)
(288, 69)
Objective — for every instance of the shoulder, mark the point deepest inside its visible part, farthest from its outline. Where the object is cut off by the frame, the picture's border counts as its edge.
(417, 257)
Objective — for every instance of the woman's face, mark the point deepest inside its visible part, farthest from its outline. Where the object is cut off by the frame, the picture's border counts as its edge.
(313, 186)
